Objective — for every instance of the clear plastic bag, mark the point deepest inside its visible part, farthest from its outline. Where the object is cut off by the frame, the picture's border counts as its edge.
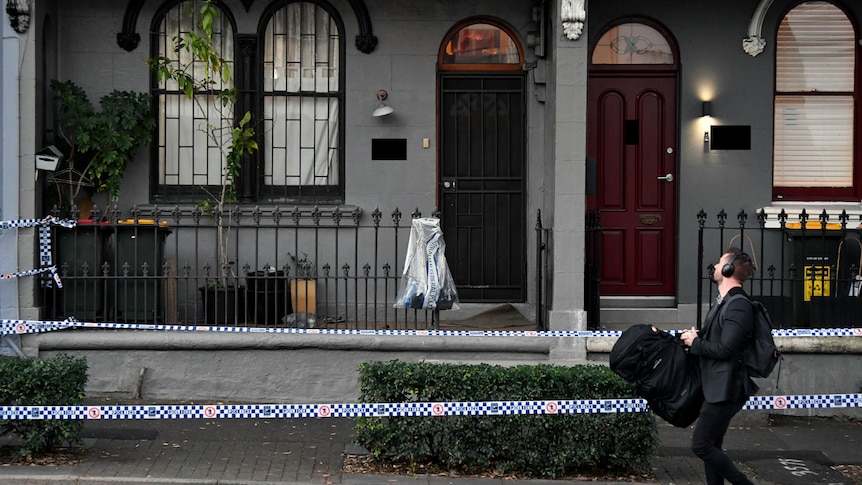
(426, 282)
(300, 320)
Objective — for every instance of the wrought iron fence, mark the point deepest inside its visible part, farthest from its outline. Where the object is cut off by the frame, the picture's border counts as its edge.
(592, 277)
(543, 270)
(808, 268)
(327, 267)
(331, 267)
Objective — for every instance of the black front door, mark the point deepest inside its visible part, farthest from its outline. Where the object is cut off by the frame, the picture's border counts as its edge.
(482, 185)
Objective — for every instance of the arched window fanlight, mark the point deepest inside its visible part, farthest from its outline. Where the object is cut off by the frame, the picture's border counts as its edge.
(480, 43)
(632, 43)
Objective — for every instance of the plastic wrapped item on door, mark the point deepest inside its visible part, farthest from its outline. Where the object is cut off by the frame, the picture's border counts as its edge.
(426, 282)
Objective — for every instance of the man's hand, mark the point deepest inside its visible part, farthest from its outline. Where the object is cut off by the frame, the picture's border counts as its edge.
(688, 336)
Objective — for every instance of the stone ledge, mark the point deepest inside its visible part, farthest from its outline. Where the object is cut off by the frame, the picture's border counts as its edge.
(795, 345)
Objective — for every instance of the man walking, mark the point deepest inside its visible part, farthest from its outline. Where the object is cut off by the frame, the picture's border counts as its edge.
(719, 345)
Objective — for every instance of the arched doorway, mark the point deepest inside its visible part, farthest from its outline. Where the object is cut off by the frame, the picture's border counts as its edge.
(632, 134)
(481, 160)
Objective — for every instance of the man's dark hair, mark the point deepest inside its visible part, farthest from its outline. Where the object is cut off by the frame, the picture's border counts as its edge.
(741, 262)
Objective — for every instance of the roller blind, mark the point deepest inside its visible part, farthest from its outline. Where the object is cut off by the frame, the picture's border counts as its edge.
(814, 102)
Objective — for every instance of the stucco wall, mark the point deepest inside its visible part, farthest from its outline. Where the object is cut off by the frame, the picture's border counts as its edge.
(403, 63)
(256, 367)
(307, 368)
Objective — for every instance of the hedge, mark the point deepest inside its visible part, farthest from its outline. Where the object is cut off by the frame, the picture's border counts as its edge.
(538, 446)
(57, 381)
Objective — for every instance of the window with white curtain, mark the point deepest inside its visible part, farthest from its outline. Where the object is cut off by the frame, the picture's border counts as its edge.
(297, 58)
(815, 69)
(187, 156)
(302, 104)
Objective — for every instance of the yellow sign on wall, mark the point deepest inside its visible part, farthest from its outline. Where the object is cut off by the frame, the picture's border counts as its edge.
(817, 280)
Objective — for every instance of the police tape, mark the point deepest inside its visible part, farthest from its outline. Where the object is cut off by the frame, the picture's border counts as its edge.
(44, 247)
(409, 409)
(51, 270)
(48, 220)
(8, 327)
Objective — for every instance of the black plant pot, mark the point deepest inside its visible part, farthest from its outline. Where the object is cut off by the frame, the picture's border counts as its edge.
(223, 306)
(268, 297)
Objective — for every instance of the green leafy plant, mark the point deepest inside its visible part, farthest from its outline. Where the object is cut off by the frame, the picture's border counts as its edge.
(99, 143)
(58, 381)
(206, 77)
(547, 446)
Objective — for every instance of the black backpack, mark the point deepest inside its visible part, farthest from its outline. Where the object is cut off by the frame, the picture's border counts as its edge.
(659, 369)
(762, 355)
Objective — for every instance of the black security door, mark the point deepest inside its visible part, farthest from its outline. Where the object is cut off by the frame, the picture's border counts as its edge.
(482, 184)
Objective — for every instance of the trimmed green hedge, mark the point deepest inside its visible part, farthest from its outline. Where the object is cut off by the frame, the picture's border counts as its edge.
(57, 381)
(547, 446)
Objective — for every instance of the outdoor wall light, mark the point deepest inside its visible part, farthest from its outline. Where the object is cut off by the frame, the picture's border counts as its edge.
(383, 109)
(707, 108)
(19, 14)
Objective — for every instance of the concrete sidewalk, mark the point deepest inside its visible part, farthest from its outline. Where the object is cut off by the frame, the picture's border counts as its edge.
(789, 451)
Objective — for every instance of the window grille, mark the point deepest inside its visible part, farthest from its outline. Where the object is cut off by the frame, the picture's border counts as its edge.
(187, 156)
(302, 102)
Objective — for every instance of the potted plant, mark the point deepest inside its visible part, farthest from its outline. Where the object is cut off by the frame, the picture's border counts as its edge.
(303, 285)
(206, 80)
(98, 144)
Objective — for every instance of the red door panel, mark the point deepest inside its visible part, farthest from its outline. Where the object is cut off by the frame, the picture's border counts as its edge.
(614, 254)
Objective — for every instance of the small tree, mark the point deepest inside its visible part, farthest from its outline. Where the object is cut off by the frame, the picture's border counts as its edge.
(99, 144)
(210, 80)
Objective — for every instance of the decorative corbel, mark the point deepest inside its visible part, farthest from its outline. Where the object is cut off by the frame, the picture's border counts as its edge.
(19, 14)
(573, 15)
(754, 44)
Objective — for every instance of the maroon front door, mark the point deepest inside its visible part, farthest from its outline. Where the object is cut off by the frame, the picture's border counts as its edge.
(632, 136)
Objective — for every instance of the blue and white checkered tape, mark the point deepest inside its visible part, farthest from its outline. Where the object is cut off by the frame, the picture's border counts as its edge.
(402, 409)
(52, 270)
(46, 221)
(45, 258)
(34, 326)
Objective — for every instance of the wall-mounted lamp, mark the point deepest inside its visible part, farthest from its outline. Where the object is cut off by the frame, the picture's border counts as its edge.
(19, 14)
(383, 109)
(707, 108)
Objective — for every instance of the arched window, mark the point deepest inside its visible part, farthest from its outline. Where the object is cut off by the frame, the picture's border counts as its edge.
(187, 158)
(290, 76)
(480, 45)
(815, 115)
(303, 99)
(632, 43)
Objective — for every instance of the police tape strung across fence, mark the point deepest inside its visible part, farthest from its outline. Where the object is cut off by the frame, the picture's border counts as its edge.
(48, 220)
(8, 327)
(354, 410)
(50, 269)
(45, 258)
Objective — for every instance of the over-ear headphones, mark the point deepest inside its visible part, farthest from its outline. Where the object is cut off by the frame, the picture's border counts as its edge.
(728, 269)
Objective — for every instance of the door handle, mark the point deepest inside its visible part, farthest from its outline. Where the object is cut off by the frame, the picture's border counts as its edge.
(449, 184)
(666, 178)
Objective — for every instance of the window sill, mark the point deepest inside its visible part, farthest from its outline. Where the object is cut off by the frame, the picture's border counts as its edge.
(814, 209)
(247, 210)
